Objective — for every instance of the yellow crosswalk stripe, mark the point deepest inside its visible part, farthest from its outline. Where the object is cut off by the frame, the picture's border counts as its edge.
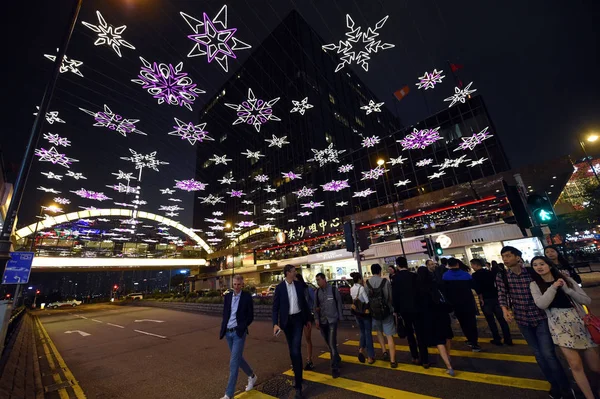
(254, 394)
(516, 382)
(463, 339)
(377, 391)
(476, 355)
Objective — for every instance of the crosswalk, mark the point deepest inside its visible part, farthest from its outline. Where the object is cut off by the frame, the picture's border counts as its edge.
(490, 372)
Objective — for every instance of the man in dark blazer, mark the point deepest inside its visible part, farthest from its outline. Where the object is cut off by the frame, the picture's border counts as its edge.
(238, 314)
(291, 314)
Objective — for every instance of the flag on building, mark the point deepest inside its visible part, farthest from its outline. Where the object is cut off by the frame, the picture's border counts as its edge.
(403, 92)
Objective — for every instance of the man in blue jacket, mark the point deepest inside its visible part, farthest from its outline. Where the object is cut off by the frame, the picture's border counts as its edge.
(290, 315)
(238, 314)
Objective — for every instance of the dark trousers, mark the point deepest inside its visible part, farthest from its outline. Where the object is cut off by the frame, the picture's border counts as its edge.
(329, 334)
(491, 308)
(293, 335)
(468, 324)
(414, 325)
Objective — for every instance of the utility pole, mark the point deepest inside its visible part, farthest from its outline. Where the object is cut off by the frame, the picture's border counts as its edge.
(356, 248)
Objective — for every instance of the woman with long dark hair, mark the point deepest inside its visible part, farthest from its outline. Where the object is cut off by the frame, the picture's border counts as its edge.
(436, 320)
(309, 296)
(561, 297)
(561, 263)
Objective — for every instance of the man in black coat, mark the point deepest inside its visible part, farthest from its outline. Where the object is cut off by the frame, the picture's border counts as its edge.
(238, 314)
(290, 315)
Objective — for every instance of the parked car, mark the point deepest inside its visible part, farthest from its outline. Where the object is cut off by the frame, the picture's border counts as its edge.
(343, 286)
(135, 296)
(59, 304)
(270, 291)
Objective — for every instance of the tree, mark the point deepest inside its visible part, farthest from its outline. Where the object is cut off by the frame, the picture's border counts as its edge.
(586, 205)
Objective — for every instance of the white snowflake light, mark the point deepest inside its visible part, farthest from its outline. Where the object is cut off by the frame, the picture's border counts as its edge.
(335, 185)
(328, 155)
(429, 80)
(452, 163)
(424, 162)
(305, 192)
(291, 175)
(109, 35)
(172, 199)
(51, 175)
(272, 202)
(217, 213)
(246, 224)
(363, 193)
(190, 132)
(419, 139)
(124, 176)
(460, 95)
(245, 213)
(305, 213)
(370, 141)
(51, 116)
(220, 159)
(469, 143)
(247, 202)
(67, 64)
(171, 214)
(170, 208)
(254, 111)
(345, 168)
(261, 178)
(213, 38)
(142, 161)
(53, 156)
(269, 189)
(436, 175)
(251, 154)
(301, 106)
(374, 173)
(217, 228)
(372, 106)
(312, 204)
(359, 46)
(277, 141)
(214, 220)
(402, 183)
(57, 140)
(62, 201)
(48, 190)
(227, 180)
(168, 191)
(272, 210)
(397, 161)
(75, 176)
(113, 121)
(139, 202)
(480, 161)
(271, 219)
(122, 188)
(341, 203)
(292, 220)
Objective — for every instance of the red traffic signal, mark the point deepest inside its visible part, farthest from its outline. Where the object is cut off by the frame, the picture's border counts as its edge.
(115, 287)
(37, 292)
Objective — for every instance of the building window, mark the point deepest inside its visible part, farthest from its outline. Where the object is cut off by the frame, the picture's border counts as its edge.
(331, 98)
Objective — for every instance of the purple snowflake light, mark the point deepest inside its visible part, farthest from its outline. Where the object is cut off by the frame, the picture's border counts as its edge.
(335, 185)
(305, 213)
(253, 111)
(419, 139)
(236, 193)
(113, 121)
(345, 168)
(305, 192)
(313, 204)
(190, 132)
(245, 213)
(469, 143)
(370, 141)
(190, 185)
(430, 79)
(167, 83)
(261, 178)
(246, 223)
(53, 156)
(57, 140)
(291, 175)
(83, 193)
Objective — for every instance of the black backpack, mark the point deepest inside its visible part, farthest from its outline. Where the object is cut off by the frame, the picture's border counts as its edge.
(380, 309)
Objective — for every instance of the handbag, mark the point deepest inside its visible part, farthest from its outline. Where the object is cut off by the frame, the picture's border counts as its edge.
(400, 327)
(360, 308)
(590, 321)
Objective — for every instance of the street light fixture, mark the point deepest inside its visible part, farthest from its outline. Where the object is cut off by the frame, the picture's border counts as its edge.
(590, 138)
(381, 162)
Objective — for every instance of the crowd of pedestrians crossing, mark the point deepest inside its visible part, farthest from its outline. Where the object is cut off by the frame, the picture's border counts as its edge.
(545, 300)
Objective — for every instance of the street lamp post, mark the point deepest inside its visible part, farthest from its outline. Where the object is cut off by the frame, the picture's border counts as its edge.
(381, 162)
(591, 138)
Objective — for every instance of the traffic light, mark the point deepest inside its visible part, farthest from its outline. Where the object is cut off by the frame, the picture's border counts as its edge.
(37, 292)
(115, 287)
(438, 248)
(363, 240)
(427, 246)
(514, 208)
(348, 237)
(541, 209)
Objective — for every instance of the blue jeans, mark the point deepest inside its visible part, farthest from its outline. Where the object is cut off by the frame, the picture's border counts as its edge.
(366, 338)
(237, 361)
(293, 335)
(540, 340)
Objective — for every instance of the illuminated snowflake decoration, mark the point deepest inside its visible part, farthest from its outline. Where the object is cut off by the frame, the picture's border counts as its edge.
(372, 107)
(251, 154)
(247, 202)
(374, 173)
(51, 175)
(54, 157)
(469, 143)
(220, 159)
(328, 155)
(114, 122)
(170, 208)
(436, 175)
(335, 185)
(87, 194)
(265, 226)
(424, 162)
(261, 178)
(254, 111)
(272, 202)
(292, 220)
(359, 45)
(363, 193)
(125, 204)
(139, 202)
(305, 213)
(245, 213)
(480, 161)
(214, 220)
(190, 132)
(75, 176)
(430, 79)
(57, 140)
(213, 39)
(402, 183)
(125, 189)
(312, 204)
(109, 35)
(51, 117)
(460, 95)
(62, 201)
(214, 240)
(341, 203)
(190, 185)
(271, 219)
(272, 211)
(217, 228)
(67, 64)
(420, 139)
(48, 190)
(217, 213)
(227, 180)
(301, 106)
(452, 163)
(123, 176)
(370, 141)
(277, 141)
(246, 224)
(168, 191)
(172, 199)
(236, 193)
(397, 161)
(168, 84)
(142, 161)
(291, 175)
(270, 189)
(305, 192)
(345, 168)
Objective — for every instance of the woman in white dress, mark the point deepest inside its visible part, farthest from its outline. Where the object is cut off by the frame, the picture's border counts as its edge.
(561, 297)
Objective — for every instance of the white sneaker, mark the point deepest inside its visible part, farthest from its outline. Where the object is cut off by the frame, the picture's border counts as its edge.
(225, 397)
(251, 382)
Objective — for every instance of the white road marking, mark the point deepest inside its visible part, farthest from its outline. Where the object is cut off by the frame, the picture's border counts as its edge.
(151, 320)
(97, 321)
(147, 333)
(83, 317)
(115, 325)
(82, 333)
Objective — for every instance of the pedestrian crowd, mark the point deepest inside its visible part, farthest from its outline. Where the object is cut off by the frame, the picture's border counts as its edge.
(545, 300)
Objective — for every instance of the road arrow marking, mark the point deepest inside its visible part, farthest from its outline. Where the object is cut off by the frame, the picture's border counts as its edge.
(82, 333)
(147, 333)
(153, 321)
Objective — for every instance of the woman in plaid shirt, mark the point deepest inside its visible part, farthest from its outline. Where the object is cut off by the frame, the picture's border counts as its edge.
(516, 301)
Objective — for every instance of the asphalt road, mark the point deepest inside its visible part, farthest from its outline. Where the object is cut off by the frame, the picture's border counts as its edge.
(142, 352)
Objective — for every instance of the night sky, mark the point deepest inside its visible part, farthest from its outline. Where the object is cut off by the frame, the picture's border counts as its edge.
(534, 62)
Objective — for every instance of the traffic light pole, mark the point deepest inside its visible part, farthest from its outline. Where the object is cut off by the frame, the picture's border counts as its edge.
(356, 248)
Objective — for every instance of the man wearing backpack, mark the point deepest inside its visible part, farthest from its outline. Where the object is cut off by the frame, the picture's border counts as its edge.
(516, 301)
(328, 311)
(379, 291)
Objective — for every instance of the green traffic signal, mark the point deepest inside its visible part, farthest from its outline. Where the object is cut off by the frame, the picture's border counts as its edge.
(438, 249)
(544, 216)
